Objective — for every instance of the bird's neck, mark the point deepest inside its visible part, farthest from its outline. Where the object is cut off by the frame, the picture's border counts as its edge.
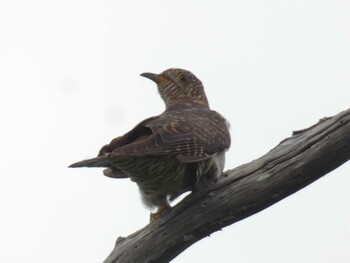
(182, 99)
(190, 103)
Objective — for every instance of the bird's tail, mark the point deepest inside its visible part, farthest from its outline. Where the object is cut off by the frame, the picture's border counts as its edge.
(101, 161)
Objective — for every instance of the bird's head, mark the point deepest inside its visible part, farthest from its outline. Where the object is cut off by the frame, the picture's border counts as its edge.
(178, 86)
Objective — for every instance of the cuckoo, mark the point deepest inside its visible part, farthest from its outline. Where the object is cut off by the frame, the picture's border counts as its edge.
(180, 150)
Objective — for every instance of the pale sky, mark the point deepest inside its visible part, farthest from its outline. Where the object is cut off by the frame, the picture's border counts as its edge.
(69, 76)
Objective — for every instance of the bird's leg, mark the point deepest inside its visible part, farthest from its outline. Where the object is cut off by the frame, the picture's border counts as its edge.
(160, 210)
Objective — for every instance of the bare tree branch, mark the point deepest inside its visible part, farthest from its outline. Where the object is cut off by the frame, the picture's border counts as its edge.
(295, 163)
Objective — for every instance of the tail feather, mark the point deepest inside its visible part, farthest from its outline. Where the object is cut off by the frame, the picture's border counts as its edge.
(101, 161)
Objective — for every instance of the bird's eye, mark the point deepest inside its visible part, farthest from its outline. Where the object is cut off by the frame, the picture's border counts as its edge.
(183, 77)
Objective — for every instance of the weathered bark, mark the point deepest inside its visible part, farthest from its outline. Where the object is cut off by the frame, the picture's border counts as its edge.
(293, 164)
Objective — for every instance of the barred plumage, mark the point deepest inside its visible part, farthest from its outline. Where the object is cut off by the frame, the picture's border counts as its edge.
(174, 152)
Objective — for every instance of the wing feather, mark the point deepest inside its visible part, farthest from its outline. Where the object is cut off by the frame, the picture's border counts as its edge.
(190, 137)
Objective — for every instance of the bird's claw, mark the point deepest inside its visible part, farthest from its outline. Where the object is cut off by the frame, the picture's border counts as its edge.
(160, 210)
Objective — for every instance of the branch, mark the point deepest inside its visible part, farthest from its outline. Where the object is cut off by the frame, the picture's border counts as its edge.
(295, 163)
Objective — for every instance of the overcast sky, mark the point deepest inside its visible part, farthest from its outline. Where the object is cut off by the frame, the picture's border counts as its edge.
(69, 79)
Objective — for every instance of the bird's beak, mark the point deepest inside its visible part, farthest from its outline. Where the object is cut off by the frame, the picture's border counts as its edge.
(157, 78)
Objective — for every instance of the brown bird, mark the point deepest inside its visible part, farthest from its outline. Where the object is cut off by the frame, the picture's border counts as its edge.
(177, 151)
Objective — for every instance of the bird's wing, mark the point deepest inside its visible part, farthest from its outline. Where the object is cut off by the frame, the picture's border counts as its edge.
(191, 137)
(138, 133)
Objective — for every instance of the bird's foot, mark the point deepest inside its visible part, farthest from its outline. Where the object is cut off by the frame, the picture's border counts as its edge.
(160, 210)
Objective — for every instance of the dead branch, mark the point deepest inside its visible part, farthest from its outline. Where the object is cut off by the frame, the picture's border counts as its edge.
(295, 163)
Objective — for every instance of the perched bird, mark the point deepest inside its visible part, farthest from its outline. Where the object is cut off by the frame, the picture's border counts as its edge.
(177, 151)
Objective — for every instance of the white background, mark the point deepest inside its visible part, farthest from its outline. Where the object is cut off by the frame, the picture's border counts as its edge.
(69, 84)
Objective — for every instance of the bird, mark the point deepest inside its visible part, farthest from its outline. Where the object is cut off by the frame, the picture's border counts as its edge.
(182, 149)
